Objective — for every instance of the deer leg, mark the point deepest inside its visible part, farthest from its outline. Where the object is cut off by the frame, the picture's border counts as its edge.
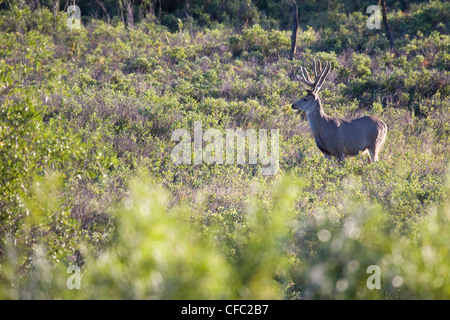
(341, 157)
(366, 152)
(373, 153)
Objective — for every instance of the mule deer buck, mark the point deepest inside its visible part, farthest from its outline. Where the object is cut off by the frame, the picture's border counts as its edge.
(334, 136)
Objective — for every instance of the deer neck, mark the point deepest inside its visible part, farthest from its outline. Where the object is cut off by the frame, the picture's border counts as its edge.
(316, 118)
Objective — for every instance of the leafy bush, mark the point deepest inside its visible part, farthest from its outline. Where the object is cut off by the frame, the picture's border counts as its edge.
(256, 39)
(156, 253)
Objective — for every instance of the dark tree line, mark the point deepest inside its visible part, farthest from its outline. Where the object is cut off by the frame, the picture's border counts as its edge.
(238, 12)
(295, 24)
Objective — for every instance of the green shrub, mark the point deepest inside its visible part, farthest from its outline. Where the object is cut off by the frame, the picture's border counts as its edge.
(161, 246)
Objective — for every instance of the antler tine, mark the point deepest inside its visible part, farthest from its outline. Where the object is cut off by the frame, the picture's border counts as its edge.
(322, 76)
(314, 68)
(307, 75)
(318, 70)
(305, 79)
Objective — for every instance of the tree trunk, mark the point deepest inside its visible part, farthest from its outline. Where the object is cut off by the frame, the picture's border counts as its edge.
(100, 3)
(387, 27)
(294, 30)
(129, 7)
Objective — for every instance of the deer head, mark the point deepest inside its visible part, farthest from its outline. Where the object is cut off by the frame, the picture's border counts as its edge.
(309, 101)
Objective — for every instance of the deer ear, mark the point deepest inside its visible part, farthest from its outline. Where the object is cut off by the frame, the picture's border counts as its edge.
(311, 93)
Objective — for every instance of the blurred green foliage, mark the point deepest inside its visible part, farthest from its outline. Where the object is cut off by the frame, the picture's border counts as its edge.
(86, 116)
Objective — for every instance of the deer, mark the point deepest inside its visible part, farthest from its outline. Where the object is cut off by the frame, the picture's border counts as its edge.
(335, 136)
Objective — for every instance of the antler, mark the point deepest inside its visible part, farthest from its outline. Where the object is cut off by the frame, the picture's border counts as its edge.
(319, 75)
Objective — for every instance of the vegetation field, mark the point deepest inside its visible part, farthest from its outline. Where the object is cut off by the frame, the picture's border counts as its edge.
(93, 205)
